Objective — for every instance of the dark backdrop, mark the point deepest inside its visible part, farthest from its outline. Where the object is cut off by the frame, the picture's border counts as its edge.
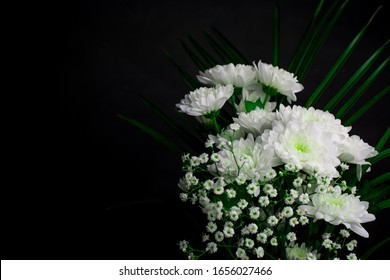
(104, 190)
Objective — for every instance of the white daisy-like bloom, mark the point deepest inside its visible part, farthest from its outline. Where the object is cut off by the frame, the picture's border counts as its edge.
(237, 75)
(211, 247)
(301, 253)
(259, 251)
(355, 150)
(336, 208)
(256, 121)
(204, 100)
(278, 80)
(246, 157)
(305, 146)
(325, 120)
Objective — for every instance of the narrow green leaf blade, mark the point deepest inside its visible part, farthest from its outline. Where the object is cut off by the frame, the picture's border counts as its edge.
(355, 78)
(367, 254)
(384, 204)
(211, 62)
(339, 64)
(383, 140)
(358, 93)
(379, 157)
(362, 110)
(221, 52)
(304, 41)
(153, 133)
(229, 46)
(191, 82)
(380, 179)
(198, 62)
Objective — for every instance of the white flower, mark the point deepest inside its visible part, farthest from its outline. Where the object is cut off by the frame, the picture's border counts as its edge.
(259, 251)
(249, 243)
(301, 253)
(204, 101)
(254, 213)
(256, 121)
(336, 208)
(272, 220)
(279, 80)
(355, 150)
(351, 256)
(274, 241)
(264, 201)
(261, 237)
(211, 247)
(242, 203)
(246, 159)
(228, 232)
(344, 233)
(303, 145)
(219, 236)
(211, 227)
(287, 211)
(237, 75)
(183, 245)
(291, 236)
(303, 220)
(293, 222)
(241, 254)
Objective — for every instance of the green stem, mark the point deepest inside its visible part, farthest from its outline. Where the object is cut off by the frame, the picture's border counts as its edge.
(216, 126)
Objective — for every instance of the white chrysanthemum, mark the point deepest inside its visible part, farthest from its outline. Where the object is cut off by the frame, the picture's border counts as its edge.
(301, 253)
(305, 146)
(203, 101)
(278, 80)
(325, 120)
(336, 208)
(237, 75)
(254, 96)
(355, 150)
(246, 157)
(256, 121)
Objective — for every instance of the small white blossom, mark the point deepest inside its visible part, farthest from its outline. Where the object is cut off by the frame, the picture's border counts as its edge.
(291, 236)
(287, 212)
(274, 241)
(231, 193)
(303, 220)
(261, 237)
(254, 213)
(259, 251)
(293, 222)
(289, 200)
(344, 233)
(242, 203)
(183, 245)
(211, 247)
(304, 198)
(241, 254)
(228, 232)
(264, 201)
(253, 228)
(351, 256)
(219, 236)
(249, 243)
(268, 231)
(327, 243)
(272, 221)
(211, 227)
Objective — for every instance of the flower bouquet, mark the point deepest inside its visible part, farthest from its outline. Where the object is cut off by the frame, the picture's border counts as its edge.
(276, 180)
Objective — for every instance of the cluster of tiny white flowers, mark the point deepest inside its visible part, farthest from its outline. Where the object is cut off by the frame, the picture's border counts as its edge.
(271, 175)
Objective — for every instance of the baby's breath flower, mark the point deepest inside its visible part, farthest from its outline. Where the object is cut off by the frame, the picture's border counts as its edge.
(231, 193)
(303, 220)
(274, 241)
(194, 161)
(300, 211)
(253, 228)
(253, 189)
(287, 211)
(215, 157)
(261, 237)
(326, 235)
(242, 203)
(228, 232)
(291, 236)
(219, 236)
(289, 200)
(264, 201)
(350, 246)
(208, 184)
(351, 256)
(203, 158)
(234, 126)
(344, 233)
(272, 221)
(211, 247)
(241, 254)
(259, 251)
(183, 245)
(218, 190)
(183, 197)
(205, 237)
(273, 193)
(241, 179)
(211, 227)
(304, 198)
(294, 193)
(297, 182)
(293, 221)
(268, 231)
(249, 243)
(254, 212)
(327, 243)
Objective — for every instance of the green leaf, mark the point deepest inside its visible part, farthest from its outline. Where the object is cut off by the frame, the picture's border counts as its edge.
(383, 140)
(380, 179)
(221, 52)
(317, 37)
(366, 107)
(384, 204)
(231, 48)
(358, 93)
(153, 133)
(367, 254)
(191, 82)
(338, 64)
(355, 78)
(381, 156)
(188, 137)
(198, 62)
(276, 34)
(207, 57)
(304, 41)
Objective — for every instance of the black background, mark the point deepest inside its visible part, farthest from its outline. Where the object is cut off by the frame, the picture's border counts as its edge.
(81, 174)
